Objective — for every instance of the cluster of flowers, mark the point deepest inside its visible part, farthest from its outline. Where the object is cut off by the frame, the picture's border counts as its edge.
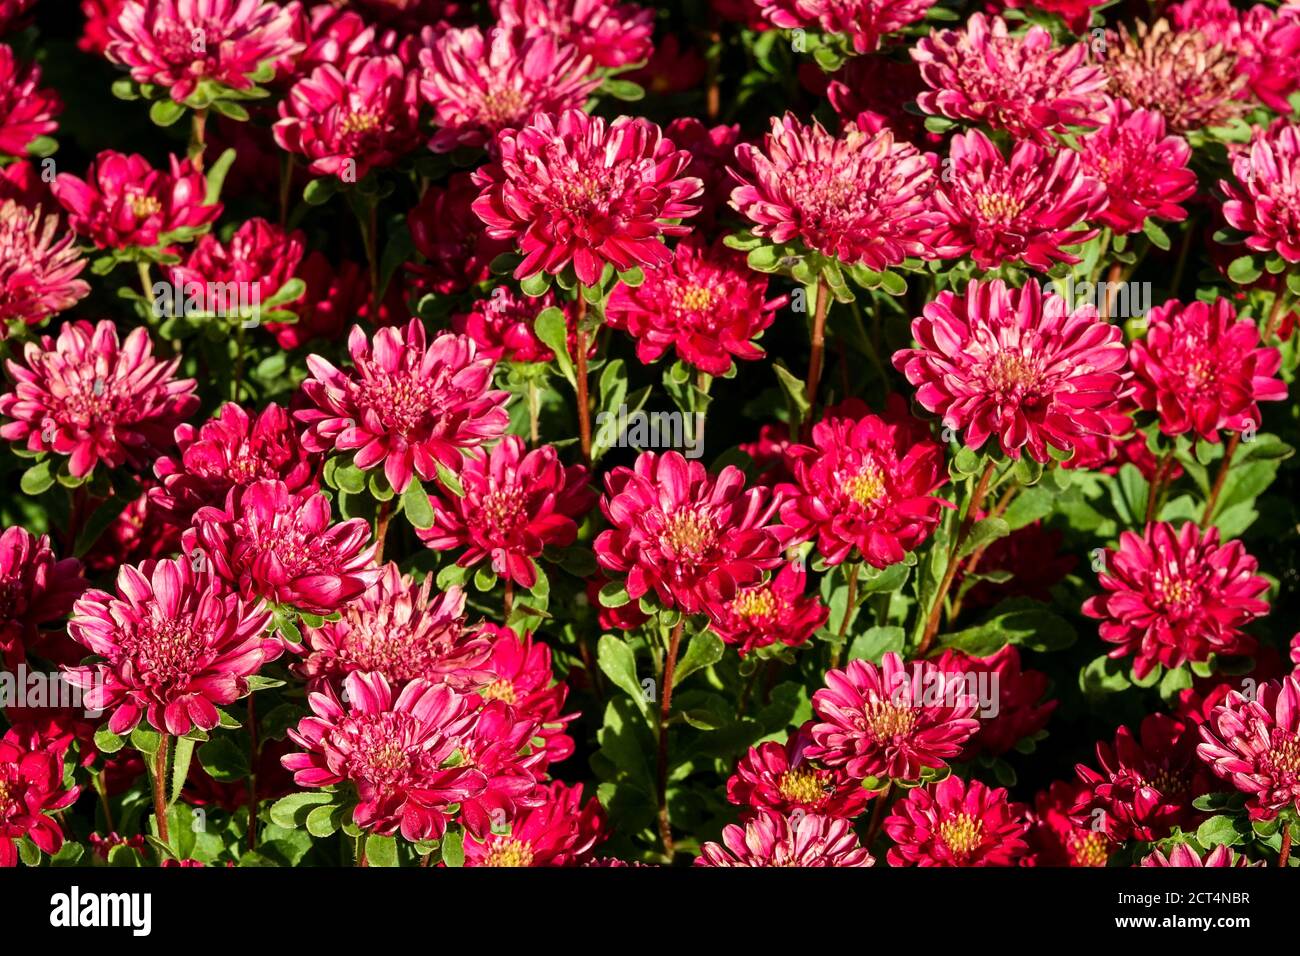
(206, 509)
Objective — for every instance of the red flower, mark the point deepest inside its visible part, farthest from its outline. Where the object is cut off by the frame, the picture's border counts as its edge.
(1261, 202)
(31, 788)
(257, 261)
(801, 839)
(956, 824)
(711, 149)
(1266, 43)
(864, 22)
(26, 110)
(1059, 841)
(519, 674)
(38, 268)
(1017, 694)
(1183, 855)
(35, 589)
(779, 778)
(613, 34)
(502, 326)
(559, 832)
(1255, 745)
(764, 614)
(451, 237)
(625, 617)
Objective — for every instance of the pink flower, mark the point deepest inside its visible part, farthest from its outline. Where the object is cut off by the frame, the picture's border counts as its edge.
(574, 189)
(1077, 14)
(559, 832)
(1143, 171)
(502, 325)
(613, 34)
(38, 267)
(26, 110)
(1023, 210)
(1255, 745)
(1017, 364)
(479, 86)
(257, 261)
(95, 398)
(956, 824)
(1262, 202)
(13, 13)
(1265, 41)
(865, 487)
(175, 643)
(347, 122)
(884, 722)
(1021, 713)
(31, 788)
(1023, 84)
(858, 197)
(276, 544)
(692, 538)
(516, 503)
(451, 237)
(1177, 596)
(704, 302)
(404, 404)
(189, 46)
(393, 748)
(764, 614)
(35, 589)
(864, 22)
(520, 675)
(770, 839)
(711, 149)
(124, 202)
(337, 35)
(1183, 855)
(779, 778)
(624, 617)
(1056, 839)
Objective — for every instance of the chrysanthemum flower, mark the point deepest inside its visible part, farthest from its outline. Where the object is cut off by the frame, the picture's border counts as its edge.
(1266, 41)
(1262, 201)
(1177, 596)
(1183, 75)
(692, 538)
(953, 823)
(559, 832)
(1184, 855)
(396, 749)
(519, 674)
(1255, 745)
(95, 398)
(123, 201)
(1015, 364)
(805, 839)
(613, 34)
(575, 189)
(176, 645)
(26, 110)
(866, 485)
(1022, 210)
(1035, 558)
(447, 232)
(502, 325)
(712, 149)
(35, 589)
(280, 545)
(1077, 14)
(38, 267)
(859, 197)
(257, 261)
(182, 45)
(516, 503)
(499, 745)
(873, 92)
(31, 788)
(347, 122)
(1056, 839)
(705, 303)
(480, 85)
(779, 778)
(1021, 711)
(864, 22)
(1146, 785)
(12, 13)
(406, 404)
(1144, 171)
(893, 721)
(338, 35)
(764, 614)
(1023, 84)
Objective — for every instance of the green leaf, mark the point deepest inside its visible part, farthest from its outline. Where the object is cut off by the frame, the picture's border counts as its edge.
(415, 502)
(536, 285)
(165, 112)
(182, 753)
(1103, 675)
(704, 650)
(982, 534)
(618, 663)
(325, 821)
(453, 848)
(37, 479)
(614, 594)
(291, 812)
(873, 643)
(1243, 270)
(1159, 238)
(794, 388)
(224, 760)
(145, 740)
(552, 329)
(447, 478)
(1019, 621)
(624, 90)
(107, 742)
(318, 191)
(1218, 830)
(217, 176)
(381, 851)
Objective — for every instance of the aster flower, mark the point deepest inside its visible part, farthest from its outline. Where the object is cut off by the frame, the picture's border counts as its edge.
(865, 485)
(1020, 711)
(447, 232)
(276, 544)
(1146, 785)
(864, 22)
(31, 788)
(805, 839)
(711, 149)
(1033, 555)
(1201, 368)
(858, 197)
(779, 778)
(337, 35)
(954, 823)
(872, 92)
(125, 202)
(12, 13)
(520, 674)
(95, 398)
(764, 614)
(347, 122)
(559, 832)
(886, 722)
(259, 259)
(692, 538)
(1261, 202)
(189, 46)
(1077, 14)
(1023, 84)
(1016, 364)
(515, 503)
(574, 189)
(480, 85)
(1255, 745)
(1177, 596)
(613, 34)
(1023, 210)
(38, 267)
(705, 303)
(35, 589)
(139, 533)
(26, 110)
(406, 404)
(502, 325)
(393, 747)
(499, 745)
(1183, 855)
(1266, 42)
(403, 630)
(175, 644)
(1143, 171)
(1056, 840)
(1190, 80)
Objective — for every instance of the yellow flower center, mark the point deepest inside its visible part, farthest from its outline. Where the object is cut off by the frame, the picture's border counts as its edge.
(961, 834)
(755, 602)
(501, 689)
(1090, 849)
(1284, 754)
(688, 534)
(1000, 207)
(801, 785)
(886, 719)
(363, 122)
(142, 207)
(866, 487)
(696, 298)
(510, 852)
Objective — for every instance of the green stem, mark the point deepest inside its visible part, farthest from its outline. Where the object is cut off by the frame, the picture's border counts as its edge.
(665, 708)
(950, 572)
